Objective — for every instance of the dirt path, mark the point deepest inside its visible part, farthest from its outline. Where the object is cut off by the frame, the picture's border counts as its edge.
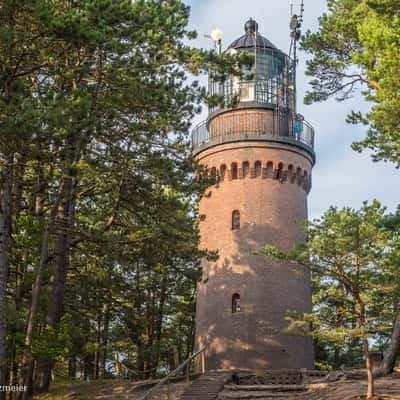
(126, 390)
(107, 390)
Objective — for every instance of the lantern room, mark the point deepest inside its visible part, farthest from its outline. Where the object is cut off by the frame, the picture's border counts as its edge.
(268, 80)
(258, 105)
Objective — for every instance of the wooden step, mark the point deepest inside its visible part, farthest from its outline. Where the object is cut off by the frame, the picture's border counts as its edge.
(271, 388)
(247, 395)
(207, 387)
(260, 392)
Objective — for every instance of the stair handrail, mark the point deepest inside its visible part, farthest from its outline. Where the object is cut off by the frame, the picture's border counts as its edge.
(148, 394)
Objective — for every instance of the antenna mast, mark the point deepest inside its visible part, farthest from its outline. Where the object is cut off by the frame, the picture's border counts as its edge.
(295, 34)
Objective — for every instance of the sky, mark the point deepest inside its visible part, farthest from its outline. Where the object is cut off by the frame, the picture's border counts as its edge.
(341, 177)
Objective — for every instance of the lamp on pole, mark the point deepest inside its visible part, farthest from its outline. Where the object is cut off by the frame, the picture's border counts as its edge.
(216, 36)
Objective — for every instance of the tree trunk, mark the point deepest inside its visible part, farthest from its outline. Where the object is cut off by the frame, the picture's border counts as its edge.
(97, 351)
(65, 221)
(140, 358)
(20, 262)
(368, 363)
(87, 367)
(5, 244)
(389, 360)
(27, 364)
(105, 341)
(155, 359)
(336, 359)
(96, 363)
(370, 390)
(72, 366)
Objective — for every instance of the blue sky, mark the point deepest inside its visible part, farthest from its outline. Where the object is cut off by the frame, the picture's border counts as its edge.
(341, 177)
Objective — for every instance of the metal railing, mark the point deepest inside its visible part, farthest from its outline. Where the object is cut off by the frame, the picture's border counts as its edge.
(283, 128)
(186, 364)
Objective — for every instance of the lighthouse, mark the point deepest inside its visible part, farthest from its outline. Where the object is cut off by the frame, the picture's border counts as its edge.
(262, 151)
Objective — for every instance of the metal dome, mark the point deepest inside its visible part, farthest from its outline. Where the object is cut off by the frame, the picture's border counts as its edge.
(248, 39)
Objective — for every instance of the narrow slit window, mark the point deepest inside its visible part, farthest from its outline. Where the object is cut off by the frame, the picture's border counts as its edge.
(257, 169)
(291, 174)
(280, 171)
(246, 169)
(222, 172)
(213, 173)
(270, 170)
(236, 303)
(299, 176)
(235, 220)
(234, 171)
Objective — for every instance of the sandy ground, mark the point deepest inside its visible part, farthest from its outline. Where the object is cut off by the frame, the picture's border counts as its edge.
(112, 389)
(386, 388)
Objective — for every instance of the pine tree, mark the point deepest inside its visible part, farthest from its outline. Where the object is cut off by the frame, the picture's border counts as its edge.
(351, 252)
(357, 46)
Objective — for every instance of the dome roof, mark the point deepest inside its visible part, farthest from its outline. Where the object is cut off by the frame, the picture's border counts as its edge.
(248, 39)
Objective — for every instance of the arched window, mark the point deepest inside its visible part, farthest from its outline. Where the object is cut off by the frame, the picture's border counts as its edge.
(270, 169)
(235, 220)
(257, 169)
(236, 303)
(222, 172)
(291, 174)
(213, 172)
(234, 171)
(299, 177)
(279, 174)
(305, 180)
(246, 169)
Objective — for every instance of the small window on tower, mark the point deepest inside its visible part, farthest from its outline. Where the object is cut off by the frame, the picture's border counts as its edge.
(234, 171)
(257, 169)
(213, 173)
(236, 303)
(246, 169)
(279, 174)
(235, 220)
(222, 172)
(299, 176)
(291, 174)
(270, 170)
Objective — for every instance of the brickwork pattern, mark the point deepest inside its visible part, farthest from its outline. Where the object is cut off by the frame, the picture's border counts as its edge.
(282, 172)
(272, 209)
(239, 122)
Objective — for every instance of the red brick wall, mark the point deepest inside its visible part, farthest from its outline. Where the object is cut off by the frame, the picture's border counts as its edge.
(235, 123)
(272, 210)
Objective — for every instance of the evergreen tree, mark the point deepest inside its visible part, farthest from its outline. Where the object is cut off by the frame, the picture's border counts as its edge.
(351, 252)
(95, 108)
(358, 45)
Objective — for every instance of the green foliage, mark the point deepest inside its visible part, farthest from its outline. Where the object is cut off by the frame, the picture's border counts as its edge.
(95, 110)
(358, 44)
(54, 344)
(354, 259)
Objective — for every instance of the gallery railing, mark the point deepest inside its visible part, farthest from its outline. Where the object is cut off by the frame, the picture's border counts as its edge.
(284, 128)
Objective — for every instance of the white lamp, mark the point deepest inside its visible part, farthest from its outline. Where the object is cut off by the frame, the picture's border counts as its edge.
(216, 35)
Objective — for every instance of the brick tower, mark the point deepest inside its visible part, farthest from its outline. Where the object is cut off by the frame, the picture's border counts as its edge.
(263, 153)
